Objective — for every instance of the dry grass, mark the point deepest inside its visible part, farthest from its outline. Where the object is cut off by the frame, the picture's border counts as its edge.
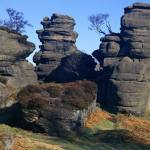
(133, 128)
(22, 140)
(21, 143)
(97, 117)
(139, 129)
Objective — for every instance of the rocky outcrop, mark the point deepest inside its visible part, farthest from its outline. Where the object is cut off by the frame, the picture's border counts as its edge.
(62, 107)
(15, 71)
(135, 29)
(59, 59)
(125, 58)
(57, 109)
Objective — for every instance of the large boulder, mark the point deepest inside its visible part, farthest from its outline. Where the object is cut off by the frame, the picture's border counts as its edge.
(128, 88)
(59, 59)
(57, 109)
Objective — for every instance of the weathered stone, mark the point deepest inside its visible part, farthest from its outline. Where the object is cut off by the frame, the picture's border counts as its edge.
(124, 83)
(109, 49)
(127, 85)
(141, 5)
(57, 109)
(15, 71)
(15, 45)
(136, 20)
(135, 29)
(109, 38)
(59, 59)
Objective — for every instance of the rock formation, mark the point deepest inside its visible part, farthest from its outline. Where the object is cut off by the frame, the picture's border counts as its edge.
(15, 71)
(125, 58)
(57, 108)
(63, 107)
(59, 59)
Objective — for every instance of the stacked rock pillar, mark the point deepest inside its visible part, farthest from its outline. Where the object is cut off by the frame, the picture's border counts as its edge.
(126, 63)
(58, 40)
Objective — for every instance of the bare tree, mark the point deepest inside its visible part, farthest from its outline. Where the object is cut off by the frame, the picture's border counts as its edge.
(16, 21)
(100, 23)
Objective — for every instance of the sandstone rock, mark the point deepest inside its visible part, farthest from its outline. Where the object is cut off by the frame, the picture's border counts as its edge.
(15, 71)
(59, 59)
(57, 108)
(135, 28)
(7, 141)
(109, 47)
(128, 87)
(124, 83)
(14, 44)
(141, 5)
(135, 101)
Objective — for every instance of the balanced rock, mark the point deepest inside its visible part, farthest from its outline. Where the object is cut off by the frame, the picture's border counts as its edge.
(59, 59)
(109, 47)
(57, 109)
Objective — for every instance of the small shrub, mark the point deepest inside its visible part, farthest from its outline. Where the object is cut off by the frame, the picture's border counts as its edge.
(79, 94)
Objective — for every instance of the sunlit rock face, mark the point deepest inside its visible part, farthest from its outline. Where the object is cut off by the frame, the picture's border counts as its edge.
(59, 59)
(125, 58)
(15, 71)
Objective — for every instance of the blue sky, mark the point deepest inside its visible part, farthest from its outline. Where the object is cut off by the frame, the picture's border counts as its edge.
(35, 10)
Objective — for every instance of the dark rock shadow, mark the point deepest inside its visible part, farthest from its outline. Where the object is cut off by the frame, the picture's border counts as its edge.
(77, 66)
(11, 115)
(107, 91)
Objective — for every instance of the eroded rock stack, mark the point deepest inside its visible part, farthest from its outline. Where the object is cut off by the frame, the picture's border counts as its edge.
(125, 85)
(135, 30)
(15, 71)
(59, 59)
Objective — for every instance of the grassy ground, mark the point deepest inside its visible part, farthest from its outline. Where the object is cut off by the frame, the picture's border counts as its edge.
(102, 131)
